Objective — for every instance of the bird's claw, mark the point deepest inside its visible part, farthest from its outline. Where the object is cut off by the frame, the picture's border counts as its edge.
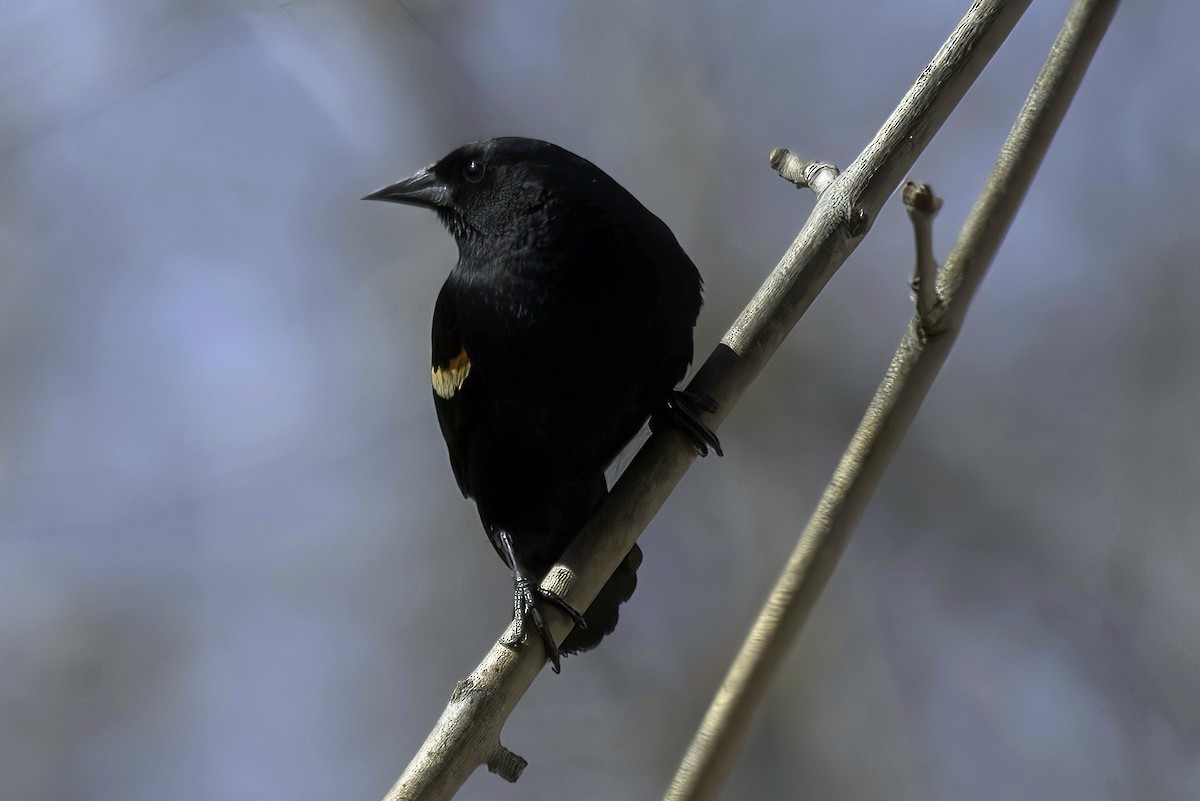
(682, 406)
(525, 607)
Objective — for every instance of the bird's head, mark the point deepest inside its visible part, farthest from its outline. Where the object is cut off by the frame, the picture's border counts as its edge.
(496, 187)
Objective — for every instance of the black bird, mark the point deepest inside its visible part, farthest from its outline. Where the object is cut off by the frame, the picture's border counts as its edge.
(566, 323)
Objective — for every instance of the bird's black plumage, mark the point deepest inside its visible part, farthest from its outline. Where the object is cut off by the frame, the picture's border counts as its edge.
(566, 323)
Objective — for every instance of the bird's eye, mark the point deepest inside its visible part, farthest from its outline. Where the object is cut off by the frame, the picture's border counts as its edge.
(473, 171)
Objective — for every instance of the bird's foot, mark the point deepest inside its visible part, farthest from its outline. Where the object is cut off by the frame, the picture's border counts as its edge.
(682, 409)
(526, 595)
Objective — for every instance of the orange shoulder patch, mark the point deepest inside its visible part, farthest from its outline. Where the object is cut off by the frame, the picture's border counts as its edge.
(448, 379)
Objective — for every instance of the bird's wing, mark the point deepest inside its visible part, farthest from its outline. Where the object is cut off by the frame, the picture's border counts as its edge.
(449, 375)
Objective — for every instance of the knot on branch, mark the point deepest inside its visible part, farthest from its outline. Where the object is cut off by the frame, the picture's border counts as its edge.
(858, 222)
(506, 764)
(462, 690)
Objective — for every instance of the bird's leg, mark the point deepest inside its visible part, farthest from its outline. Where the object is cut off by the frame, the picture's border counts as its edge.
(681, 409)
(526, 593)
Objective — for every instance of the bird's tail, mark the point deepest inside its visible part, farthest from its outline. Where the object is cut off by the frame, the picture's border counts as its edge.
(601, 616)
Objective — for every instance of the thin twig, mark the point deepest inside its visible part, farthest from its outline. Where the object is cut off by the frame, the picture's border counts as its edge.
(923, 206)
(816, 175)
(912, 371)
(467, 734)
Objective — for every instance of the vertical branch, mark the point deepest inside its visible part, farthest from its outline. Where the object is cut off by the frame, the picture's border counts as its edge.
(912, 371)
(923, 205)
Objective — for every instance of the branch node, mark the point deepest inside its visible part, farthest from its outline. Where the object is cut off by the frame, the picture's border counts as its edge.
(920, 197)
(462, 690)
(923, 205)
(858, 222)
(506, 764)
(816, 175)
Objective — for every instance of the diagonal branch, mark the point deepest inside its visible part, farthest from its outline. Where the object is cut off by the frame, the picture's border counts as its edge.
(912, 371)
(468, 733)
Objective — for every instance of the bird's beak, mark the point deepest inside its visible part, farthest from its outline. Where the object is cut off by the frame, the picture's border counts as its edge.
(422, 189)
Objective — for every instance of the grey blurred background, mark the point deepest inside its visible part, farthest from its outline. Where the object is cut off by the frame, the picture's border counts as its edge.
(234, 563)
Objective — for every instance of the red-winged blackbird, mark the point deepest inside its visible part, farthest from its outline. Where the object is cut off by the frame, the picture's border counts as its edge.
(565, 325)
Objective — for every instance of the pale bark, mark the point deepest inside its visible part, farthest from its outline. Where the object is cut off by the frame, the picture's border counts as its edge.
(923, 350)
(467, 734)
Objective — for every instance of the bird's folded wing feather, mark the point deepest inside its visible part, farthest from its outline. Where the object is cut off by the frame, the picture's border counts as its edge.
(449, 377)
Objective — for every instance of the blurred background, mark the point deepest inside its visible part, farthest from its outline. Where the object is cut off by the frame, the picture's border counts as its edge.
(233, 560)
